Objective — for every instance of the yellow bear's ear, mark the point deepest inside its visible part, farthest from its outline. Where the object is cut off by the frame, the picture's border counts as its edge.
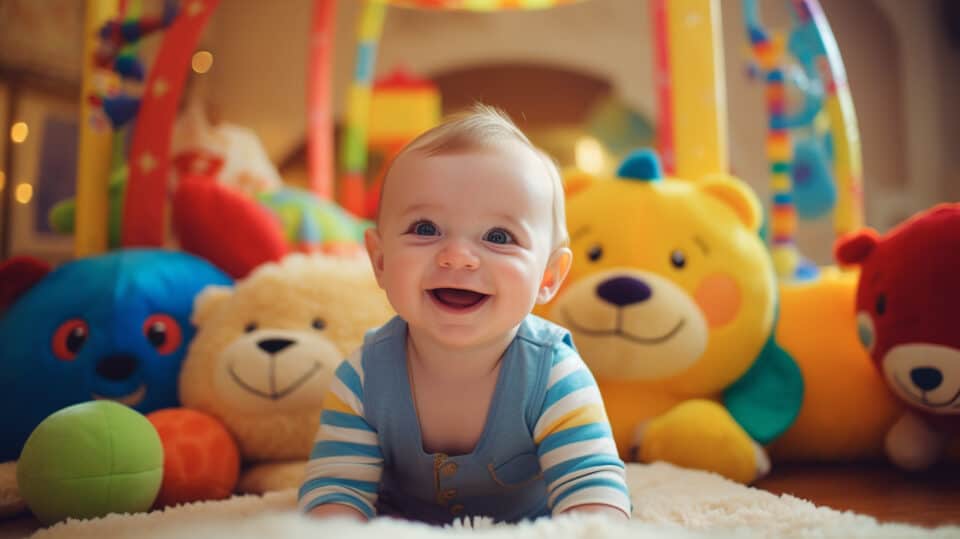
(207, 301)
(576, 180)
(735, 194)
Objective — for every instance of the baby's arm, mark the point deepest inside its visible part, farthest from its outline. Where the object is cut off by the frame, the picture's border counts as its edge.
(331, 510)
(345, 465)
(575, 444)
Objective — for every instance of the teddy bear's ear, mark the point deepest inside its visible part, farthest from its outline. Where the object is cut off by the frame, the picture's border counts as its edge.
(575, 181)
(207, 301)
(736, 195)
(855, 247)
(17, 275)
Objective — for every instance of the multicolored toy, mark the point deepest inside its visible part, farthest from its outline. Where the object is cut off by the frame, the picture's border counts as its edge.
(115, 327)
(906, 312)
(811, 166)
(88, 460)
(671, 302)
(402, 106)
(117, 53)
(113, 92)
(246, 232)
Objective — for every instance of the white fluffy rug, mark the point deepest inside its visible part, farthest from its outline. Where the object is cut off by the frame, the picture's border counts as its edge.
(669, 502)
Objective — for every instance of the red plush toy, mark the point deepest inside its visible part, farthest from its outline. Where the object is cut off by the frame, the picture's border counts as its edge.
(907, 302)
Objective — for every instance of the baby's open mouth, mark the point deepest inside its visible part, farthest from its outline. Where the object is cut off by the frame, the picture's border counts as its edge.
(457, 298)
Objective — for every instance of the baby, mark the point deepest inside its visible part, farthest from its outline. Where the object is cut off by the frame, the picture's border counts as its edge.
(466, 404)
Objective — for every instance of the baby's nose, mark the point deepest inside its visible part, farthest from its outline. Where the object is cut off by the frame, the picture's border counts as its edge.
(457, 255)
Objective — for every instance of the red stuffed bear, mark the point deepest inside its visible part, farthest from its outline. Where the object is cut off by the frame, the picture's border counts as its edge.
(907, 301)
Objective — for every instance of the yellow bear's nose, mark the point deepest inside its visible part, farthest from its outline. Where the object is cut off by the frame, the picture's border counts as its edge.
(623, 291)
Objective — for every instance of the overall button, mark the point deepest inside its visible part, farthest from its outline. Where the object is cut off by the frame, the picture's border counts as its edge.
(448, 469)
(449, 494)
(456, 509)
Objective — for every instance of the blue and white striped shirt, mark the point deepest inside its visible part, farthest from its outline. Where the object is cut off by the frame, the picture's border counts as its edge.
(547, 447)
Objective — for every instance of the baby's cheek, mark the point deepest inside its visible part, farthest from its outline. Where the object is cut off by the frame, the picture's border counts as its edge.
(719, 297)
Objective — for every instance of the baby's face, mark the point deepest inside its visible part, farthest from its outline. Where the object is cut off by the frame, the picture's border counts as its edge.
(463, 240)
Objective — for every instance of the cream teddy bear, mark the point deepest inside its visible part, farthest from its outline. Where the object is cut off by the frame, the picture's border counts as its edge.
(266, 349)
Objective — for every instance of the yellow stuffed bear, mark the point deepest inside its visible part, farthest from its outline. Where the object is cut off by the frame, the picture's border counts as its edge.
(266, 349)
(847, 407)
(672, 304)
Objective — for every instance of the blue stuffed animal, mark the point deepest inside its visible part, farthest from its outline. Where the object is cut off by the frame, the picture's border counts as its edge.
(113, 327)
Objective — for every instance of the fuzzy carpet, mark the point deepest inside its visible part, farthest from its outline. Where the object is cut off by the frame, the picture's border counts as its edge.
(669, 502)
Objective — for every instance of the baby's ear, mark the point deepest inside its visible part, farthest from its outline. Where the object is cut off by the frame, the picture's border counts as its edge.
(374, 244)
(557, 269)
(575, 181)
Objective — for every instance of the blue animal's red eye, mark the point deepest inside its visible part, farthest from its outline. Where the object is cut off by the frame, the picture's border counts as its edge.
(69, 339)
(163, 333)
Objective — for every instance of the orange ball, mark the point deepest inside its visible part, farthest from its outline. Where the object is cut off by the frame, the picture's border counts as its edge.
(201, 460)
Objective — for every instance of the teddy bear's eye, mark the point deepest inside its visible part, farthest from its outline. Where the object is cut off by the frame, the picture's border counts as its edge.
(319, 323)
(678, 259)
(250, 327)
(595, 253)
(881, 305)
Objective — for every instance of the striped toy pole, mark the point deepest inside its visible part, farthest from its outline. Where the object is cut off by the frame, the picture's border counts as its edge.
(94, 151)
(768, 53)
(353, 149)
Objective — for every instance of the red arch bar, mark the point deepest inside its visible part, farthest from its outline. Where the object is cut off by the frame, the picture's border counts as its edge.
(148, 164)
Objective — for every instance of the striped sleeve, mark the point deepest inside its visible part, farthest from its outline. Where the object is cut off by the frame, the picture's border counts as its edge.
(574, 440)
(346, 463)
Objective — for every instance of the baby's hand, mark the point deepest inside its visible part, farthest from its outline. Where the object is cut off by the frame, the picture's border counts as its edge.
(337, 510)
(599, 508)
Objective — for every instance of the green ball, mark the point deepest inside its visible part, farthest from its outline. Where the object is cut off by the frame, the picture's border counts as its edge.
(88, 460)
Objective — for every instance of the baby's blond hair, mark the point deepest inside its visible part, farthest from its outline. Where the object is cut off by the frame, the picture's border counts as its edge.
(483, 126)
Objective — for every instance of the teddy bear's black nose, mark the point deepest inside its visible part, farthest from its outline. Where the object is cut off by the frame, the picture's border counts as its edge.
(622, 291)
(926, 378)
(272, 346)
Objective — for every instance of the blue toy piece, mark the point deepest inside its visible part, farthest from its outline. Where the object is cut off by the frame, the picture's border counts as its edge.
(814, 192)
(641, 165)
(113, 327)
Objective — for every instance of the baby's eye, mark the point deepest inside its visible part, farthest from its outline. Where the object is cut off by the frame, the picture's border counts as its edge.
(499, 236)
(423, 228)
